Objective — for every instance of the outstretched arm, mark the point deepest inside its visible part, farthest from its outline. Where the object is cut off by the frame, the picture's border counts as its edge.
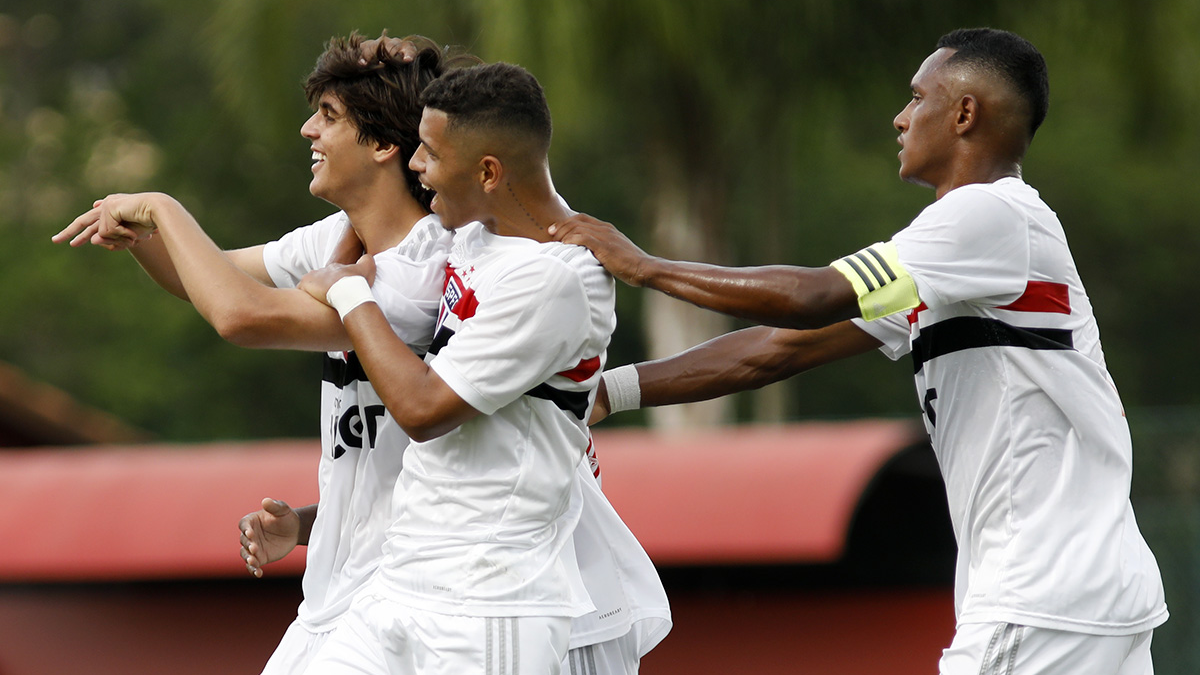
(418, 399)
(228, 290)
(776, 295)
(152, 255)
(151, 252)
(738, 361)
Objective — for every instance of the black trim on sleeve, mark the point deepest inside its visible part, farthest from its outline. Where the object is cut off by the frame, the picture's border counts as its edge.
(971, 332)
(573, 402)
(440, 339)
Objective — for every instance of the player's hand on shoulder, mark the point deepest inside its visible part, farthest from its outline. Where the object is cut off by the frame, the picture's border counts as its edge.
(317, 282)
(268, 534)
(620, 256)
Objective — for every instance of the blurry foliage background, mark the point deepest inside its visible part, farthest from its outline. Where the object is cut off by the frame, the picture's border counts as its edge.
(768, 132)
(765, 128)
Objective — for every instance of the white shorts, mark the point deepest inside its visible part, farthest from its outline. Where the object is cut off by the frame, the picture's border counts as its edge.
(1009, 649)
(615, 657)
(382, 637)
(295, 650)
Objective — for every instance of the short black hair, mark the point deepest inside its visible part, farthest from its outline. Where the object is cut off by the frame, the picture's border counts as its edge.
(1010, 56)
(494, 97)
(382, 93)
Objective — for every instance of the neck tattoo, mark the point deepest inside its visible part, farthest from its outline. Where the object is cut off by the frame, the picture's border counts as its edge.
(522, 206)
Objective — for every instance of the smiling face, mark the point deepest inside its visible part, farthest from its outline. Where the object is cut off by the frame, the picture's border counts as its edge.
(341, 163)
(927, 123)
(449, 165)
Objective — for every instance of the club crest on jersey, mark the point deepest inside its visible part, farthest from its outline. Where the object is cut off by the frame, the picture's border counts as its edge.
(450, 298)
(457, 299)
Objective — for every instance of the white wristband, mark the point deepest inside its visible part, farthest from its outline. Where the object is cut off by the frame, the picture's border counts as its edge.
(347, 293)
(624, 391)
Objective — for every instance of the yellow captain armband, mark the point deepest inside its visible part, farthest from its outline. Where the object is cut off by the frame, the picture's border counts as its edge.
(881, 283)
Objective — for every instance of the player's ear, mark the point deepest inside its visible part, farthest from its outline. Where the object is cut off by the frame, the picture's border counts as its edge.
(490, 173)
(386, 152)
(966, 114)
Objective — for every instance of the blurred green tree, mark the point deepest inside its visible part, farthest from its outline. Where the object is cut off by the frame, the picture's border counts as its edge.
(711, 131)
(732, 132)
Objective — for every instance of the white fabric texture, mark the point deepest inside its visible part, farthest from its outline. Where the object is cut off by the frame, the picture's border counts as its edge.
(380, 637)
(1024, 418)
(631, 604)
(294, 652)
(361, 446)
(1024, 650)
(485, 512)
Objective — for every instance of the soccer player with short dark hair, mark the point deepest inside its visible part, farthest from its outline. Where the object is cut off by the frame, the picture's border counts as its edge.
(479, 573)
(981, 290)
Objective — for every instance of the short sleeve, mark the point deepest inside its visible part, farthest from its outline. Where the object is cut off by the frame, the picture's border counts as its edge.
(893, 331)
(302, 250)
(532, 322)
(970, 245)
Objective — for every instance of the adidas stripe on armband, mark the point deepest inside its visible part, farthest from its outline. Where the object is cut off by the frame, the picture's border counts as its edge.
(881, 283)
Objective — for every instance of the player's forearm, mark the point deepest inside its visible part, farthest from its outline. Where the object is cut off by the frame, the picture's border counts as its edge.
(282, 318)
(725, 365)
(420, 402)
(777, 295)
(745, 360)
(217, 288)
(152, 255)
(155, 259)
(307, 515)
(242, 309)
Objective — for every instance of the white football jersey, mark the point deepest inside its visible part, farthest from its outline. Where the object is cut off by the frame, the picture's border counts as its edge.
(485, 512)
(618, 575)
(362, 447)
(1024, 418)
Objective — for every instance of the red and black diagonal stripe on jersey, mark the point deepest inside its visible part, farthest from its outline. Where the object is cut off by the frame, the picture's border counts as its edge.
(971, 332)
(574, 402)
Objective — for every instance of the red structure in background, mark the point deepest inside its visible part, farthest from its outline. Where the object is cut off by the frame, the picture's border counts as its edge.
(784, 550)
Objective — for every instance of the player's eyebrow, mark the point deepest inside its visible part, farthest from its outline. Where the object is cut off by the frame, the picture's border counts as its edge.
(328, 108)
